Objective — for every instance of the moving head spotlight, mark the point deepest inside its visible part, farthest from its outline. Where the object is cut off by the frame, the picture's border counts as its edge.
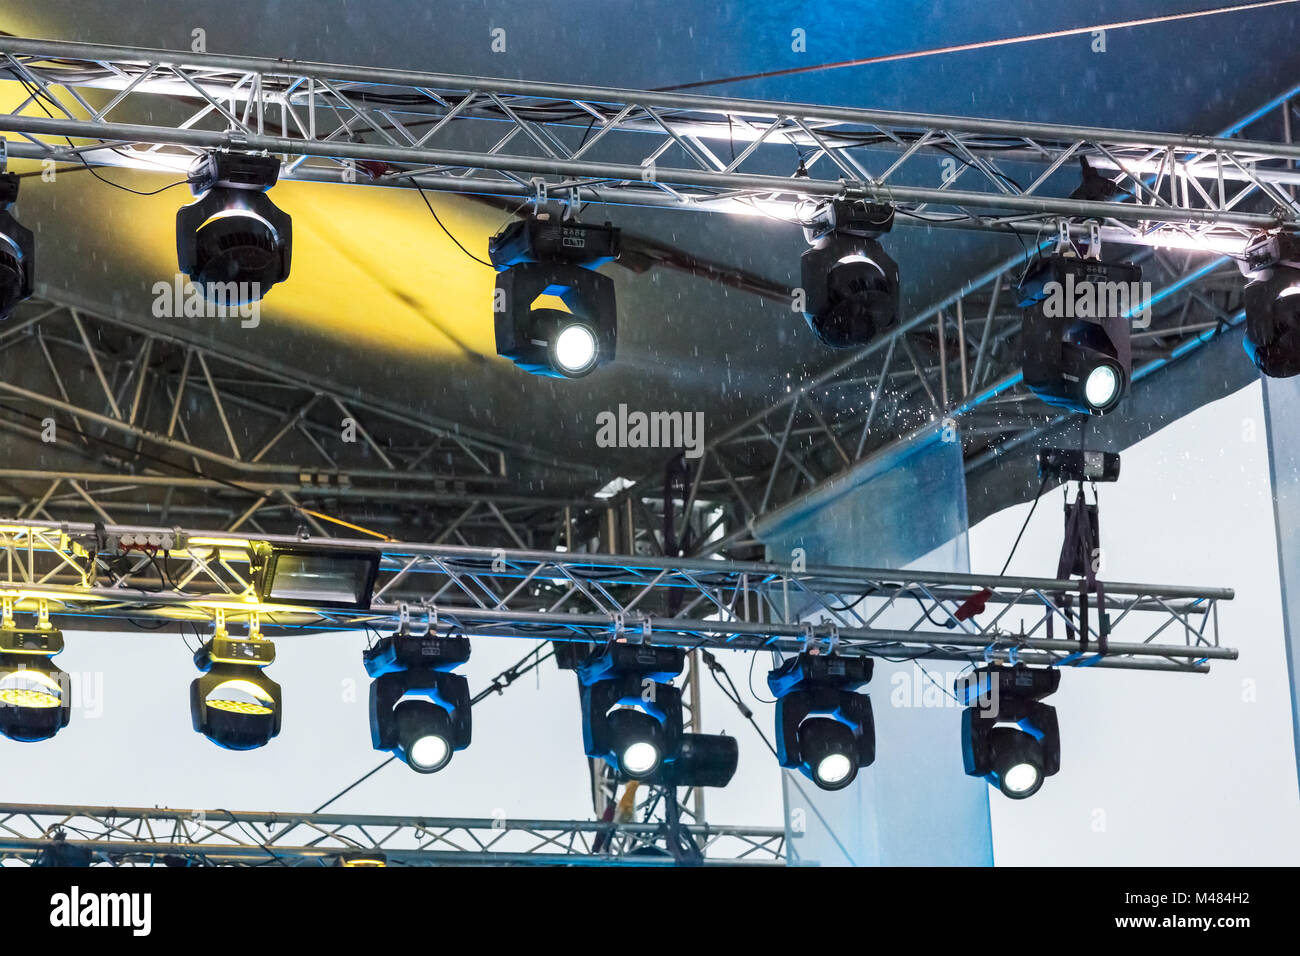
(234, 704)
(1076, 332)
(35, 703)
(545, 257)
(850, 284)
(631, 713)
(824, 729)
(17, 250)
(1009, 736)
(234, 243)
(1272, 339)
(419, 711)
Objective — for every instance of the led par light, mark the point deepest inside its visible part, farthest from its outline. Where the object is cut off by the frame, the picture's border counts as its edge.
(34, 693)
(313, 577)
(543, 257)
(824, 729)
(850, 283)
(234, 704)
(233, 242)
(631, 713)
(419, 710)
(1009, 736)
(1075, 337)
(17, 250)
(1272, 339)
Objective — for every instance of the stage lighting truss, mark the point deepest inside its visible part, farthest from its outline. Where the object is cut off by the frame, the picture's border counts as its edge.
(419, 711)
(517, 138)
(1009, 736)
(235, 704)
(1272, 339)
(1076, 344)
(17, 247)
(540, 258)
(849, 282)
(233, 242)
(35, 695)
(824, 728)
(631, 713)
(598, 598)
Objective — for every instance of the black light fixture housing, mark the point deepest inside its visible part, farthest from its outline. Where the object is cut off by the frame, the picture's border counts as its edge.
(419, 710)
(1009, 736)
(545, 257)
(233, 242)
(702, 760)
(313, 577)
(57, 851)
(1272, 299)
(849, 281)
(631, 713)
(824, 729)
(1079, 362)
(1077, 464)
(17, 250)
(234, 704)
(35, 703)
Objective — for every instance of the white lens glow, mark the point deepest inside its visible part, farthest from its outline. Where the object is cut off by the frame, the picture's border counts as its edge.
(429, 751)
(1021, 777)
(575, 348)
(640, 757)
(834, 768)
(1102, 384)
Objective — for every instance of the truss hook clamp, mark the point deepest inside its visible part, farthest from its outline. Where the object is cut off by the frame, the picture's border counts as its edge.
(539, 191)
(572, 204)
(1094, 239)
(810, 638)
(832, 639)
(403, 618)
(1003, 641)
(1063, 244)
(640, 625)
(430, 618)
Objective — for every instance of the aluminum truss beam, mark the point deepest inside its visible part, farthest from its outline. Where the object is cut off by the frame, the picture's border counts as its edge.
(591, 144)
(78, 571)
(128, 836)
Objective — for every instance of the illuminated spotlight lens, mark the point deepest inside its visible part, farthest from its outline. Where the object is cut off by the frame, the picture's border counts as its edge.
(829, 751)
(25, 697)
(834, 768)
(1017, 762)
(239, 706)
(1102, 386)
(428, 753)
(1023, 778)
(575, 349)
(640, 758)
(424, 734)
(636, 741)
